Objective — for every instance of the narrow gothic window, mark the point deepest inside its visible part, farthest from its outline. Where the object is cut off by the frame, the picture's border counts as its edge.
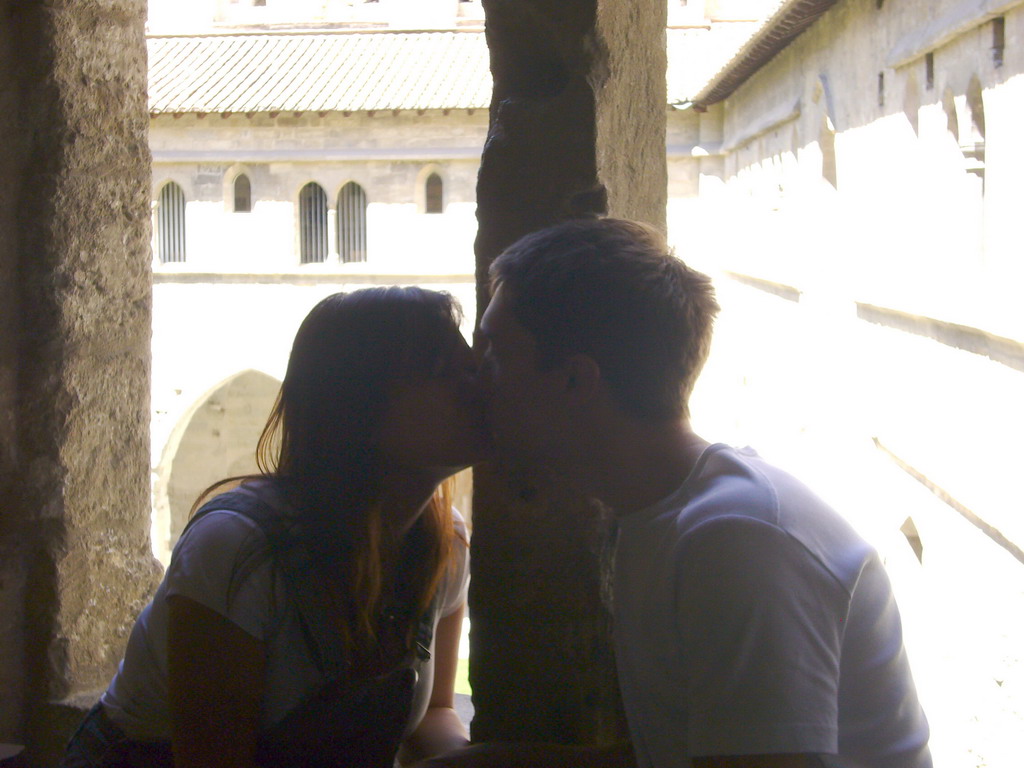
(312, 224)
(929, 71)
(434, 194)
(170, 224)
(998, 40)
(352, 223)
(243, 194)
(881, 89)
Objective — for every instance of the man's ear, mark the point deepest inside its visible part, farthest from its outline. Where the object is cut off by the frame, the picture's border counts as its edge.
(582, 376)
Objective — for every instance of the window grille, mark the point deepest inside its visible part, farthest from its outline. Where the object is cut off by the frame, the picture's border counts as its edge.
(434, 194)
(352, 223)
(243, 194)
(312, 224)
(170, 224)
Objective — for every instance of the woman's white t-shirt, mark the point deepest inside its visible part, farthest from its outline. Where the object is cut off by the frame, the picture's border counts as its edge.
(201, 569)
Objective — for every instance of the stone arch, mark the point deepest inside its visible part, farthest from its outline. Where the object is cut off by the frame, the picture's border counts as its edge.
(231, 179)
(952, 120)
(431, 169)
(169, 227)
(822, 97)
(912, 102)
(312, 225)
(973, 145)
(175, 175)
(976, 107)
(351, 205)
(214, 439)
(827, 142)
(913, 537)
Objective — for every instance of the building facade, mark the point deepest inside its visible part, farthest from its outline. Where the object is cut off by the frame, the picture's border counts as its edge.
(270, 193)
(846, 170)
(854, 167)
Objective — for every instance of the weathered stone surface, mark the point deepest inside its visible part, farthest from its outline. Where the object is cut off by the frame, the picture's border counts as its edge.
(630, 110)
(577, 129)
(75, 359)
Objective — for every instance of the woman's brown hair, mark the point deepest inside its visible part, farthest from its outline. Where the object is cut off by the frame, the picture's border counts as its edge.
(319, 444)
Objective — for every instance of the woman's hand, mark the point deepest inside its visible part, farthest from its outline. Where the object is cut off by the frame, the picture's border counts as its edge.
(441, 730)
(215, 674)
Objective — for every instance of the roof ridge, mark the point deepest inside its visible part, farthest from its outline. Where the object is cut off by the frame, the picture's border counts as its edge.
(313, 33)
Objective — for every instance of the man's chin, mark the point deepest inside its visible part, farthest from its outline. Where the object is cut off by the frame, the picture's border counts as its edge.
(528, 478)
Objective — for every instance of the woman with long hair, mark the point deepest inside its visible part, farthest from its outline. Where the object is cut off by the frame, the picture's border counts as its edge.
(311, 615)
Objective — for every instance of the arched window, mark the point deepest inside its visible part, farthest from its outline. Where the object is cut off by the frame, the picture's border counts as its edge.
(312, 223)
(434, 189)
(352, 223)
(243, 194)
(170, 223)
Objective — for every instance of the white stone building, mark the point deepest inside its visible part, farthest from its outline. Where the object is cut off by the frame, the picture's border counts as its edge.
(286, 166)
(295, 159)
(852, 174)
(847, 170)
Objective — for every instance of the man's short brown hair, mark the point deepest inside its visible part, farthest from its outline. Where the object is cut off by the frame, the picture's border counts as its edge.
(613, 290)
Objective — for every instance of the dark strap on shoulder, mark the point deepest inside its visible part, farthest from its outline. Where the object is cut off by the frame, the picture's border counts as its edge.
(308, 595)
(305, 590)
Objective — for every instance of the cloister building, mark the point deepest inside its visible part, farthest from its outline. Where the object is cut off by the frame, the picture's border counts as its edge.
(847, 170)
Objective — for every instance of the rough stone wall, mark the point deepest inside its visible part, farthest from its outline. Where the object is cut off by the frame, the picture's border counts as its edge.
(631, 140)
(75, 266)
(577, 129)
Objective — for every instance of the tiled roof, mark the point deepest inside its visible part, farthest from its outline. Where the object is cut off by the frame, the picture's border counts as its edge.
(696, 55)
(785, 21)
(318, 72)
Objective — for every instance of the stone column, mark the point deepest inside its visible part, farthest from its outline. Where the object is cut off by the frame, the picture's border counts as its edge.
(577, 129)
(75, 560)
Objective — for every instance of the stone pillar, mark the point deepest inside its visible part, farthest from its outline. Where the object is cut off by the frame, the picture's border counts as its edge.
(577, 128)
(75, 560)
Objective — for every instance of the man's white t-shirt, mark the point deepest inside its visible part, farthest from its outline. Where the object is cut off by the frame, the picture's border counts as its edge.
(751, 619)
(201, 569)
